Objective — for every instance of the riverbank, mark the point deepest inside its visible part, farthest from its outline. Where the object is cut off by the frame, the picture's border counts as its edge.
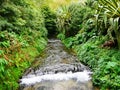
(17, 62)
(23, 36)
(104, 61)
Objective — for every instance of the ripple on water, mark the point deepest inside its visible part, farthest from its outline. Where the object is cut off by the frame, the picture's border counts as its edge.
(57, 72)
(78, 76)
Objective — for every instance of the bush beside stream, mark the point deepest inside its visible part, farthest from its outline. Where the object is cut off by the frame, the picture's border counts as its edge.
(95, 43)
(104, 62)
(22, 38)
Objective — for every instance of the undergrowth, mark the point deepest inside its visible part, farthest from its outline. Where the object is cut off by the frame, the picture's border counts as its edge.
(89, 45)
(13, 63)
(104, 62)
(23, 36)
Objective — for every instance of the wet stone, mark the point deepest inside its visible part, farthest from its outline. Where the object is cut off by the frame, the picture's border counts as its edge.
(43, 88)
(76, 67)
(57, 70)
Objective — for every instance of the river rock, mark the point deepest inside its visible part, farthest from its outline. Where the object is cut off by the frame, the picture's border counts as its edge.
(60, 70)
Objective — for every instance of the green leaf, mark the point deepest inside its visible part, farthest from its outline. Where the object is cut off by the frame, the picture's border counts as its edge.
(1, 52)
(111, 64)
(116, 23)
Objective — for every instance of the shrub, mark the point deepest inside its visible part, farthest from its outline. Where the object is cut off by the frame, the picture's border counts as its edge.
(50, 18)
(71, 17)
(108, 18)
(21, 30)
(104, 63)
(87, 43)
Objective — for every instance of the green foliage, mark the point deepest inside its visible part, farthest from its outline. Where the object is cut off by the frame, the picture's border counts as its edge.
(22, 30)
(23, 27)
(18, 16)
(69, 42)
(112, 6)
(50, 18)
(61, 36)
(70, 18)
(87, 32)
(40, 44)
(107, 18)
(104, 63)
(90, 3)
(87, 44)
(17, 61)
(3, 63)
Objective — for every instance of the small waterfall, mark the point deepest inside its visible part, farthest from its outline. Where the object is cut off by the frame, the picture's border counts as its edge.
(60, 70)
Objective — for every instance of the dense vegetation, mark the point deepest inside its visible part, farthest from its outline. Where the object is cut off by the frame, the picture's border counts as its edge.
(95, 38)
(22, 29)
(90, 29)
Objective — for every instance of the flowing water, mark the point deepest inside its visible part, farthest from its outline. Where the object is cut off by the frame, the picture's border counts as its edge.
(57, 69)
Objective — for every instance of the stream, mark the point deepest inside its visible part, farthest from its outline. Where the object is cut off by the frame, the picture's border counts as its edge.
(56, 69)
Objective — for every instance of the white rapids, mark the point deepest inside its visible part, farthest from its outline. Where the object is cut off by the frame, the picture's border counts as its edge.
(57, 69)
(78, 76)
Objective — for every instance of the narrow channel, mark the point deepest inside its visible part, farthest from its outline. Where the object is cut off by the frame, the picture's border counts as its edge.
(58, 70)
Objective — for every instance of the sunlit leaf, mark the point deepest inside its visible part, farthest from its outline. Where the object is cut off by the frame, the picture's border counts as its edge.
(111, 64)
